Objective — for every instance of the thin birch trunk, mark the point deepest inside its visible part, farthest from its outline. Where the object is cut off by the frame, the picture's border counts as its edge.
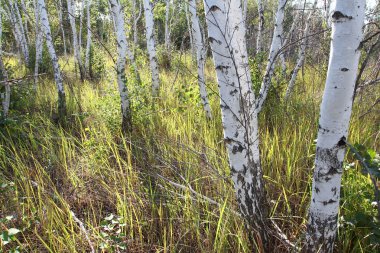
(76, 45)
(273, 54)
(201, 56)
(135, 21)
(191, 36)
(167, 29)
(60, 20)
(259, 42)
(347, 22)
(149, 23)
(88, 45)
(122, 48)
(53, 56)
(285, 43)
(301, 53)
(18, 30)
(239, 117)
(39, 45)
(80, 24)
(6, 96)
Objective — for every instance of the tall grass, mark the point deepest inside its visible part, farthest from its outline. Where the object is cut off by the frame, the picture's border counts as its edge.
(164, 187)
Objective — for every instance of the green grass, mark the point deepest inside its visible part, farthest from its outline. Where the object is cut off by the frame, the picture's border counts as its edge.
(86, 165)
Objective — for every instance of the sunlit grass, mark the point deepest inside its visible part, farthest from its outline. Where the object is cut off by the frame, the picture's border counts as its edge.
(88, 166)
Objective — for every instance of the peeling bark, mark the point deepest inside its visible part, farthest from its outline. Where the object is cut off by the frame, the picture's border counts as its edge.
(347, 21)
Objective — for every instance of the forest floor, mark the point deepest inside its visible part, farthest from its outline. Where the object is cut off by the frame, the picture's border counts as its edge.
(163, 187)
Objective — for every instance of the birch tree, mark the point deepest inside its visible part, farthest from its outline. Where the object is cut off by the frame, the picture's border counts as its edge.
(273, 53)
(167, 28)
(260, 7)
(347, 21)
(76, 44)
(60, 20)
(201, 56)
(239, 117)
(39, 41)
(88, 44)
(53, 56)
(136, 19)
(6, 95)
(122, 47)
(301, 52)
(149, 25)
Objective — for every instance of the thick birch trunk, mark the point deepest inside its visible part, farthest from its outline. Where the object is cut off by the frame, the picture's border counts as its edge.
(122, 48)
(149, 23)
(167, 29)
(39, 45)
(239, 118)
(88, 45)
(301, 52)
(201, 56)
(347, 21)
(273, 53)
(54, 59)
(76, 45)
(260, 7)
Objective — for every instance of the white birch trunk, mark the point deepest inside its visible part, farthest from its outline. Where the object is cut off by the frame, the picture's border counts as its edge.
(285, 43)
(167, 29)
(60, 20)
(22, 28)
(273, 54)
(259, 43)
(245, 9)
(122, 48)
(88, 45)
(81, 10)
(6, 96)
(136, 18)
(76, 44)
(301, 53)
(347, 22)
(18, 30)
(39, 45)
(239, 118)
(149, 24)
(53, 56)
(201, 56)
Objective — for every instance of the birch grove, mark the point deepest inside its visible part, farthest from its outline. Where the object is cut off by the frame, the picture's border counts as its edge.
(201, 57)
(347, 22)
(151, 45)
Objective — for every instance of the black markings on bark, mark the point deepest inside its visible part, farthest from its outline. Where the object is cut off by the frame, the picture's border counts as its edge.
(237, 148)
(214, 8)
(344, 69)
(330, 201)
(337, 15)
(342, 142)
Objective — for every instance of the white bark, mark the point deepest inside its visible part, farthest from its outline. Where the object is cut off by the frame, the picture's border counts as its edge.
(245, 9)
(76, 44)
(53, 56)
(347, 21)
(122, 48)
(88, 45)
(81, 10)
(273, 54)
(18, 30)
(239, 118)
(167, 28)
(149, 24)
(39, 45)
(201, 56)
(285, 43)
(260, 7)
(6, 96)
(301, 52)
